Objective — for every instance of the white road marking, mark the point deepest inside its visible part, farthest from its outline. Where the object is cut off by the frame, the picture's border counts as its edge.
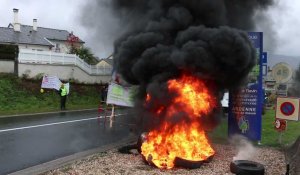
(56, 123)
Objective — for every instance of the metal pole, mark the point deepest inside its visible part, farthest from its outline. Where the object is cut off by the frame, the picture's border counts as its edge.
(50, 57)
(280, 138)
(112, 115)
(16, 62)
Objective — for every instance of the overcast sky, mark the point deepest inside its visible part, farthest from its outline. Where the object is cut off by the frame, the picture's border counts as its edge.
(66, 14)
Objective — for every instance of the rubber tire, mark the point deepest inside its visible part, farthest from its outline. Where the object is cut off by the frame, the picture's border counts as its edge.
(142, 138)
(179, 162)
(127, 149)
(246, 167)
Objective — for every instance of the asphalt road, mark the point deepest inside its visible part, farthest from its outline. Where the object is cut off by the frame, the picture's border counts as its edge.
(26, 141)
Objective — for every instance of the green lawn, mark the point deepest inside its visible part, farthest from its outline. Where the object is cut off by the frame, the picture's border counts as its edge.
(20, 96)
(270, 137)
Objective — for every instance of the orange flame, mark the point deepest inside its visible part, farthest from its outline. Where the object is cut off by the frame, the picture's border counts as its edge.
(185, 139)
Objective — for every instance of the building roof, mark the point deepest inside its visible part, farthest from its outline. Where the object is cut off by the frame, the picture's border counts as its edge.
(108, 60)
(29, 36)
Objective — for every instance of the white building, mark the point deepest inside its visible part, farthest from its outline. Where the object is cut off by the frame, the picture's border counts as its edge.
(45, 51)
(37, 38)
(106, 62)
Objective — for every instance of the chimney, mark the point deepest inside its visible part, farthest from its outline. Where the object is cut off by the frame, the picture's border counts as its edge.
(17, 25)
(34, 25)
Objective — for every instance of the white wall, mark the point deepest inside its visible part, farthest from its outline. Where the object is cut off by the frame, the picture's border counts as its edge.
(53, 58)
(63, 46)
(7, 66)
(34, 47)
(64, 72)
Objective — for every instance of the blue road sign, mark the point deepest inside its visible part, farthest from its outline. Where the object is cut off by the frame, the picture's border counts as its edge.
(245, 105)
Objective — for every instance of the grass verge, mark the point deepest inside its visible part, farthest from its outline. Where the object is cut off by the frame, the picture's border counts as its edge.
(21, 96)
(270, 137)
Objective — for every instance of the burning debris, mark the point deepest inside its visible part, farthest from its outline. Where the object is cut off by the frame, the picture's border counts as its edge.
(113, 162)
(183, 54)
(180, 133)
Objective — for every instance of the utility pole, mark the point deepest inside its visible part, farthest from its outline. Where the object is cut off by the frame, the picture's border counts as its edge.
(16, 61)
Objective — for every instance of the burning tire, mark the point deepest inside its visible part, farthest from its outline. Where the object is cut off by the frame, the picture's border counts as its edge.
(179, 162)
(127, 149)
(209, 159)
(246, 167)
(142, 138)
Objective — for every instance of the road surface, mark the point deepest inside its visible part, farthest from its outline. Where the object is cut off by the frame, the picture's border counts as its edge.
(30, 140)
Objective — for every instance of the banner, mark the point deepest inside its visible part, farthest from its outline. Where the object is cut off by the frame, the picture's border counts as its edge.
(245, 106)
(51, 82)
(119, 95)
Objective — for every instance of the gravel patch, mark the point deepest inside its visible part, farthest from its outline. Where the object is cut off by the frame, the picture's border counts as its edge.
(113, 162)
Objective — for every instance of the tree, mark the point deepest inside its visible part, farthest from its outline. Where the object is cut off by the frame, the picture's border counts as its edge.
(81, 51)
(85, 54)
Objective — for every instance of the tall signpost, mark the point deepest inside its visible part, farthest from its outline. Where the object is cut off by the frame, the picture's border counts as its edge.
(245, 105)
(287, 108)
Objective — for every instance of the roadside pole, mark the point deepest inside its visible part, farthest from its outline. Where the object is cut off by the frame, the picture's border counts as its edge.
(112, 116)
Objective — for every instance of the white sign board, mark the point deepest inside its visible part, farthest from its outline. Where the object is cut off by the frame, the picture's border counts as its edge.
(119, 95)
(287, 108)
(51, 82)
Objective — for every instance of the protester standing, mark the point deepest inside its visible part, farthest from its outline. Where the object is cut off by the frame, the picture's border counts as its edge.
(63, 96)
(104, 90)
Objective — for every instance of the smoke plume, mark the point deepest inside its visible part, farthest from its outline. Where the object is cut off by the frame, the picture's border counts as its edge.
(245, 149)
(163, 39)
(166, 37)
(159, 40)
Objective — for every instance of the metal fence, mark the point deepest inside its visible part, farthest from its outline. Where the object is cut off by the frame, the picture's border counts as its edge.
(47, 57)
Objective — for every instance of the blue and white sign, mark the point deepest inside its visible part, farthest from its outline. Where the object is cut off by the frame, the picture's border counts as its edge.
(264, 58)
(245, 106)
(264, 64)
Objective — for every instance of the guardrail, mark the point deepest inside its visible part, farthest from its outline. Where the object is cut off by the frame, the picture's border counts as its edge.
(47, 57)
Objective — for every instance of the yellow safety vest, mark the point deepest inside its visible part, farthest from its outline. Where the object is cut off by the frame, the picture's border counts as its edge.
(63, 91)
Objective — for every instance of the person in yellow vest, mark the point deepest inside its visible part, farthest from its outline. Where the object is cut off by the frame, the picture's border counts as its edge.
(63, 96)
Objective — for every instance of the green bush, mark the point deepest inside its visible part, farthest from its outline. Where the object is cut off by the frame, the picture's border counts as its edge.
(9, 52)
(39, 76)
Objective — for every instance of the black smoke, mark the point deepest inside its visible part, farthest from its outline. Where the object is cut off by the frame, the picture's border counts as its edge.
(162, 39)
(222, 54)
(166, 37)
